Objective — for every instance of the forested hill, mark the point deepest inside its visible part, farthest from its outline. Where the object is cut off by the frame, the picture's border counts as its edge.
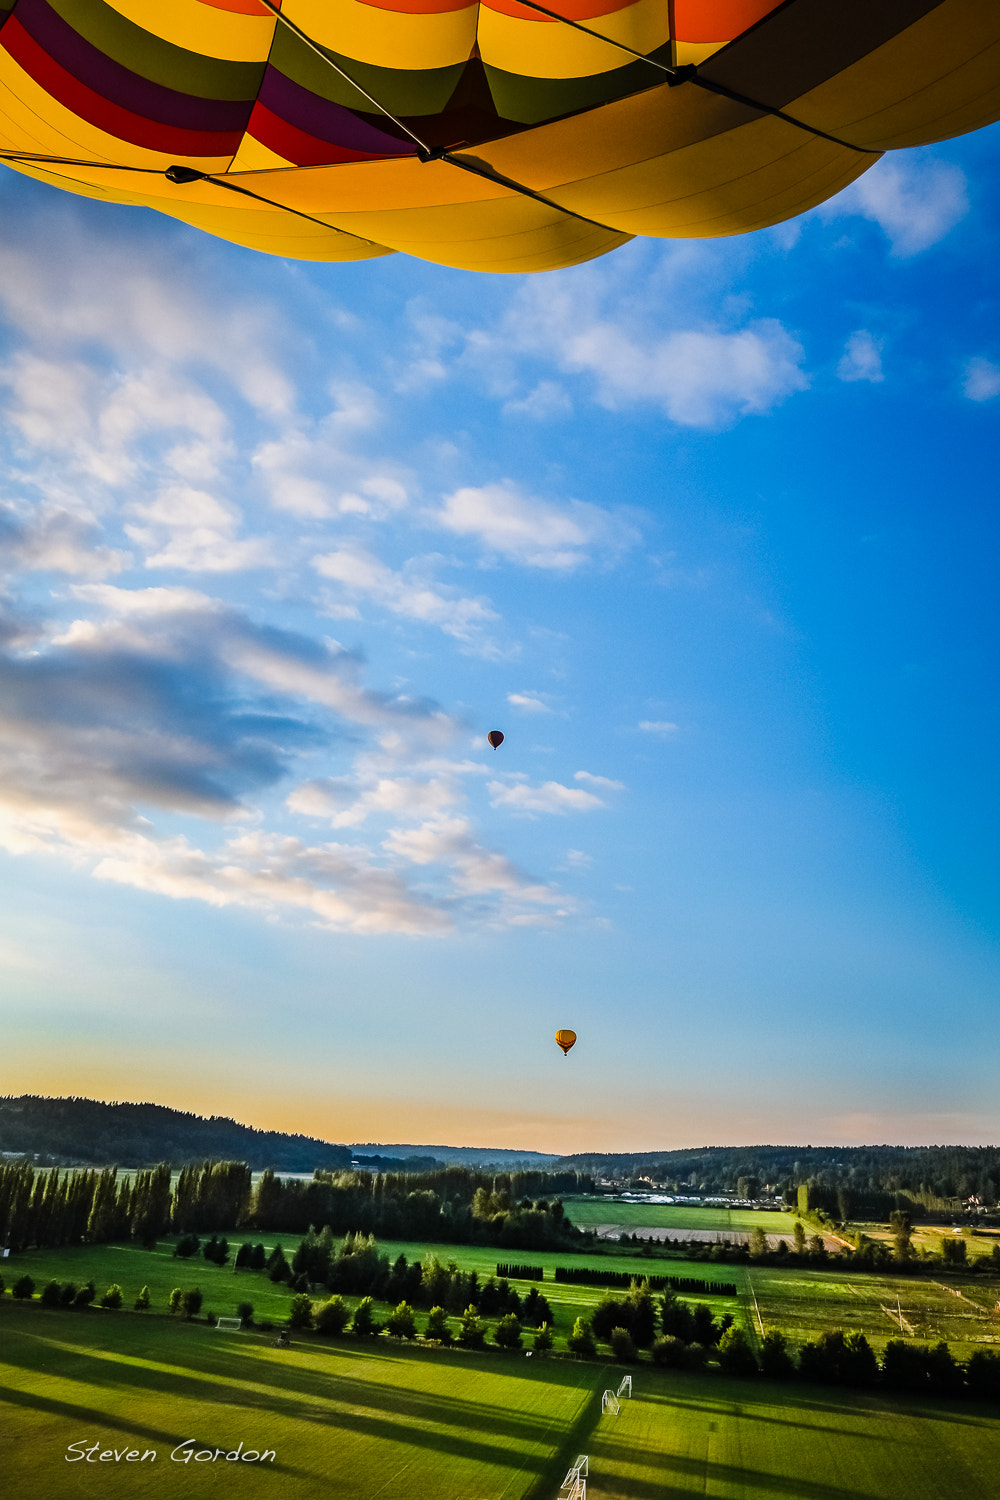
(86, 1132)
(940, 1172)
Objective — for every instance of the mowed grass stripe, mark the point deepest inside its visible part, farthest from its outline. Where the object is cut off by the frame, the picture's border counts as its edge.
(350, 1418)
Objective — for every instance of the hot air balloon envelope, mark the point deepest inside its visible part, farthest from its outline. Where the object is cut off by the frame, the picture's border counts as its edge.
(565, 1040)
(495, 135)
(495, 738)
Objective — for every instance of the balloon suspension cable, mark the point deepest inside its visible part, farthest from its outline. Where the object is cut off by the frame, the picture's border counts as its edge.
(428, 153)
(180, 176)
(688, 73)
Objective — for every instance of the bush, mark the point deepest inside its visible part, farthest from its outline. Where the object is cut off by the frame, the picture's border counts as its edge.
(23, 1289)
(191, 1302)
(472, 1333)
(402, 1322)
(775, 1361)
(332, 1317)
(68, 1294)
(735, 1354)
(543, 1340)
(623, 1346)
(300, 1312)
(51, 1294)
(142, 1301)
(437, 1326)
(85, 1295)
(187, 1246)
(113, 1296)
(670, 1352)
(581, 1340)
(508, 1332)
(363, 1326)
(244, 1311)
(174, 1301)
(982, 1375)
(695, 1358)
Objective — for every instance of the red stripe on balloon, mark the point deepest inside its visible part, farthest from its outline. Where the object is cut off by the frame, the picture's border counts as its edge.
(298, 146)
(68, 91)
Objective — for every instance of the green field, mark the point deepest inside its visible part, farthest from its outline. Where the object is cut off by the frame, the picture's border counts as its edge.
(589, 1212)
(369, 1421)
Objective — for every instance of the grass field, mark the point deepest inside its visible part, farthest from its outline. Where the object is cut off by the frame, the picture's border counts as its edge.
(589, 1212)
(366, 1422)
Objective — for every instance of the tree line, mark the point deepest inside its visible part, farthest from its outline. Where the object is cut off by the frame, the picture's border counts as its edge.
(456, 1205)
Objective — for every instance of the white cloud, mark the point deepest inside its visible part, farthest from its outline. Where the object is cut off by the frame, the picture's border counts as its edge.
(548, 400)
(195, 532)
(529, 703)
(475, 870)
(982, 380)
(536, 533)
(661, 727)
(914, 200)
(342, 804)
(604, 782)
(408, 593)
(550, 797)
(52, 540)
(862, 358)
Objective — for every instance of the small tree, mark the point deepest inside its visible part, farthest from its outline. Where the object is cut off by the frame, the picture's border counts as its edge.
(175, 1300)
(244, 1311)
(437, 1326)
(581, 1340)
(735, 1354)
(799, 1238)
(623, 1346)
(85, 1295)
(332, 1317)
(472, 1330)
(507, 1333)
(775, 1361)
(23, 1289)
(51, 1294)
(300, 1312)
(187, 1246)
(191, 1303)
(68, 1294)
(113, 1297)
(142, 1301)
(543, 1339)
(402, 1322)
(670, 1352)
(363, 1325)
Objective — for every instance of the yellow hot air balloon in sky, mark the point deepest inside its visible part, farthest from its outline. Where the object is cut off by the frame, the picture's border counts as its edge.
(495, 135)
(565, 1040)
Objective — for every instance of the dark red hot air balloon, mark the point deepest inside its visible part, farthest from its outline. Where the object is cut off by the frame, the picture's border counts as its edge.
(495, 738)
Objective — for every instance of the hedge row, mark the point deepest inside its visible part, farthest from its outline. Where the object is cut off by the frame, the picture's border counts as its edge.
(591, 1276)
(521, 1273)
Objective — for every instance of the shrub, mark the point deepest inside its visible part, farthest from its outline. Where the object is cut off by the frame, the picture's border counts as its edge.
(670, 1352)
(113, 1296)
(191, 1302)
(695, 1358)
(508, 1332)
(363, 1325)
(581, 1340)
(68, 1294)
(775, 1361)
(142, 1301)
(23, 1289)
(300, 1312)
(735, 1354)
(623, 1346)
(437, 1326)
(85, 1295)
(244, 1311)
(174, 1301)
(332, 1317)
(187, 1246)
(543, 1340)
(51, 1294)
(472, 1332)
(402, 1322)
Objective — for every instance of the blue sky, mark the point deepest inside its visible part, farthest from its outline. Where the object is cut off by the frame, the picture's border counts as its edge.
(708, 529)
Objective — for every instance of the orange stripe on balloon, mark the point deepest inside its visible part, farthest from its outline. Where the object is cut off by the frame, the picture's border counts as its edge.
(420, 7)
(718, 20)
(242, 7)
(573, 10)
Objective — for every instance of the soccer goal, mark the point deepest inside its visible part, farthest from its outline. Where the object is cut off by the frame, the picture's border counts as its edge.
(610, 1402)
(231, 1325)
(575, 1483)
(625, 1389)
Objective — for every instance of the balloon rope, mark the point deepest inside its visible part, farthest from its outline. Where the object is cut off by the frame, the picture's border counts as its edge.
(319, 51)
(688, 73)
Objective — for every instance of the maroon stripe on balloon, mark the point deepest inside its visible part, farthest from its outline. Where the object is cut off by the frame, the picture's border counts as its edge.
(102, 75)
(325, 121)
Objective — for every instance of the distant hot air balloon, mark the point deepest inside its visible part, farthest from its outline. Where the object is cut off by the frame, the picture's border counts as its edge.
(494, 135)
(565, 1040)
(495, 737)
